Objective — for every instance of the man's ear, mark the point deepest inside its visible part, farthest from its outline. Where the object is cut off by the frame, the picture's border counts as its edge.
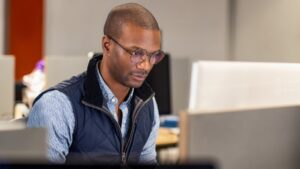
(105, 44)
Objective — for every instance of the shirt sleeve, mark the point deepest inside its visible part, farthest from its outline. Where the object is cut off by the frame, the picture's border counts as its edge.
(53, 111)
(148, 155)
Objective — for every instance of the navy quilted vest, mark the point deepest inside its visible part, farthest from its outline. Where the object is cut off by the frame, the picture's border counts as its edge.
(97, 136)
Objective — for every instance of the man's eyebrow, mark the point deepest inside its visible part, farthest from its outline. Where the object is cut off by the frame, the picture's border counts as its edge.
(133, 48)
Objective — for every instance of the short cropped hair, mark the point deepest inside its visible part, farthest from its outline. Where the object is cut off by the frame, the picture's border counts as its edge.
(128, 13)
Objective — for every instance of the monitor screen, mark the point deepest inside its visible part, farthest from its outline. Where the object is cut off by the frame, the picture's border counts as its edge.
(230, 85)
(159, 80)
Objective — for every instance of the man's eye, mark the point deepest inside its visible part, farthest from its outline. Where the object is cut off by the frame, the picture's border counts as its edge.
(139, 52)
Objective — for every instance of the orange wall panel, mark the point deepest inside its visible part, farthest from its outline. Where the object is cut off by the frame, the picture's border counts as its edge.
(25, 33)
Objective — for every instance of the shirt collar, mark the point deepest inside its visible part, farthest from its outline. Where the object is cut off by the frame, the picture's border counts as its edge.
(106, 91)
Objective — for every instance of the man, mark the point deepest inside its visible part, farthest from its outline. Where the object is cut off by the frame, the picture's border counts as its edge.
(107, 114)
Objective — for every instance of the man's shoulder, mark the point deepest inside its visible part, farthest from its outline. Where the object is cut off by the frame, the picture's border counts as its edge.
(52, 97)
(68, 88)
(51, 106)
(74, 81)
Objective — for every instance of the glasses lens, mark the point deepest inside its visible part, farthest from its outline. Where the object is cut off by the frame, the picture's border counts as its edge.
(157, 57)
(137, 55)
(140, 54)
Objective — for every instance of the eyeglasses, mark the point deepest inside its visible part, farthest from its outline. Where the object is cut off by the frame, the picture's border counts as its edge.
(138, 55)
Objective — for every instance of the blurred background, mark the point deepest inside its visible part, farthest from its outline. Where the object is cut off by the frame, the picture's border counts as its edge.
(226, 30)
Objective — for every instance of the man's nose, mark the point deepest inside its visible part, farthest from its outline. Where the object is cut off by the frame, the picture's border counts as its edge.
(145, 64)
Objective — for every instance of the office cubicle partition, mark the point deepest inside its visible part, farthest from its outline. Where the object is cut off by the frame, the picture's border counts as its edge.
(7, 86)
(59, 68)
(243, 115)
(258, 138)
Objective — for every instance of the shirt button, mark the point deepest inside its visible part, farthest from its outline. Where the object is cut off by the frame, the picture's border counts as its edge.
(113, 100)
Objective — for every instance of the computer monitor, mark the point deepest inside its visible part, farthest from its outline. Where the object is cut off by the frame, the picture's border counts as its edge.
(160, 81)
(21, 145)
(228, 85)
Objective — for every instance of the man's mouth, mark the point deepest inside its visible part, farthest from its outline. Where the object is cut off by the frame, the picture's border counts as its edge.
(139, 76)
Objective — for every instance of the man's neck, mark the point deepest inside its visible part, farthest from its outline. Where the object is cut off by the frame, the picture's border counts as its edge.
(120, 91)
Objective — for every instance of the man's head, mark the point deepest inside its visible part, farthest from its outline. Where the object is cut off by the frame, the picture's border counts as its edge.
(131, 45)
(128, 13)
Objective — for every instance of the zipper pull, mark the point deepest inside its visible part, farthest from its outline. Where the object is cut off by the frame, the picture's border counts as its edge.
(123, 158)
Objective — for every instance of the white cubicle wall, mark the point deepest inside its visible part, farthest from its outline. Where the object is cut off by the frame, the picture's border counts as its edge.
(180, 82)
(243, 115)
(59, 68)
(7, 86)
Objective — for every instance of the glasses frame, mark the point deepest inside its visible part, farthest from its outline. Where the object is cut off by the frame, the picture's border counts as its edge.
(132, 52)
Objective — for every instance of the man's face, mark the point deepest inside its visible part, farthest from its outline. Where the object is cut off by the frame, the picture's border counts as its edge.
(120, 66)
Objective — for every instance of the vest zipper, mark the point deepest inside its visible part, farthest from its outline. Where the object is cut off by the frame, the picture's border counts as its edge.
(123, 159)
(138, 108)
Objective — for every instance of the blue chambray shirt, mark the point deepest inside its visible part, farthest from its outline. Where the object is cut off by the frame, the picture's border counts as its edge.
(54, 112)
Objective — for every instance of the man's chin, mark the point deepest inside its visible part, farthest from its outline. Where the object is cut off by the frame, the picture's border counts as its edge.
(136, 84)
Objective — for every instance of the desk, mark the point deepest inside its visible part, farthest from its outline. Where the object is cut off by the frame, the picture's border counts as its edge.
(166, 138)
(166, 145)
